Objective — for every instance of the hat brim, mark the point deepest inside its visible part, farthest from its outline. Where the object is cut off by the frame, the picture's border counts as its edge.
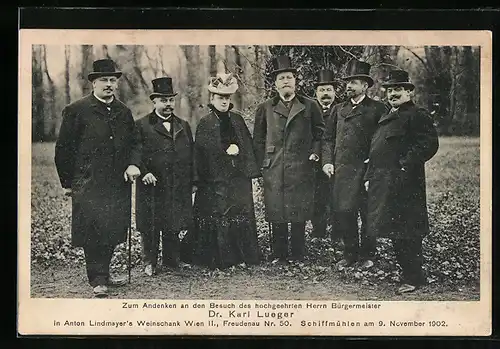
(334, 83)
(156, 94)
(367, 78)
(223, 91)
(392, 84)
(94, 75)
(277, 71)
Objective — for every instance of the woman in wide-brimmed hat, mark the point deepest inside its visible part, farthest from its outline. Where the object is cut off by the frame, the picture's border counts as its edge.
(225, 232)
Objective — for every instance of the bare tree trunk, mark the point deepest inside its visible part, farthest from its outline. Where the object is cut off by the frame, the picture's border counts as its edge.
(50, 124)
(212, 53)
(67, 56)
(87, 61)
(193, 88)
(38, 102)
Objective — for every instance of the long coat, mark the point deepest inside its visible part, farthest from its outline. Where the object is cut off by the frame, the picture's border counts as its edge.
(283, 142)
(346, 144)
(169, 157)
(323, 192)
(224, 196)
(397, 203)
(94, 148)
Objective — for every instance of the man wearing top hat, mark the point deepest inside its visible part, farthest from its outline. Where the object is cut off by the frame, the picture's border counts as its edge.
(345, 152)
(404, 140)
(287, 141)
(97, 155)
(164, 202)
(325, 96)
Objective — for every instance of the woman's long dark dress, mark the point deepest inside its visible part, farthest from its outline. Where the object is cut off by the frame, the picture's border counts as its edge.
(225, 232)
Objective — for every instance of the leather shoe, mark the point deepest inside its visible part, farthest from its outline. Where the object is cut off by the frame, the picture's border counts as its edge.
(117, 281)
(100, 291)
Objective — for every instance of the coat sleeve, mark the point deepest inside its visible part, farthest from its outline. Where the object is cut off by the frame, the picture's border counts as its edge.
(67, 146)
(199, 156)
(140, 133)
(259, 135)
(329, 136)
(135, 142)
(424, 141)
(252, 169)
(187, 127)
(318, 128)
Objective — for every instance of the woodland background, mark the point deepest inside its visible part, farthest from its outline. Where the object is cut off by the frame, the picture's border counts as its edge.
(446, 77)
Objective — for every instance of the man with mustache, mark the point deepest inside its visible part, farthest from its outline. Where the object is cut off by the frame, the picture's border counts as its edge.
(395, 181)
(325, 95)
(345, 152)
(287, 141)
(164, 201)
(96, 154)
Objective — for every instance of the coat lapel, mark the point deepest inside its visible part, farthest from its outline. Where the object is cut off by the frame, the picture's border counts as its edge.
(389, 116)
(177, 125)
(297, 108)
(158, 126)
(280, 109)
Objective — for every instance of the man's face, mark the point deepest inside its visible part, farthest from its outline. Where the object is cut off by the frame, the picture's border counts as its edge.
(356, 87)
(397, 95)
(164, 105)
(285, 83)
(220, 102)
(105, 86)
(325, 94)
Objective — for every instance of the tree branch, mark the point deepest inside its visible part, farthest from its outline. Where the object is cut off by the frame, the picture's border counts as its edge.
(426, 66)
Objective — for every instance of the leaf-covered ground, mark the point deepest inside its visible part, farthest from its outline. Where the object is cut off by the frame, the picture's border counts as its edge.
(451, 250)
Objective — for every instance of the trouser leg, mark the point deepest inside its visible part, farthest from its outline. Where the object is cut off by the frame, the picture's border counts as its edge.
(170, 248)
(97, 260)
(150, 247)
(298, 240)
(319, 220)
(347, 228)
(368, 241)
(279, 242)
(409, 256)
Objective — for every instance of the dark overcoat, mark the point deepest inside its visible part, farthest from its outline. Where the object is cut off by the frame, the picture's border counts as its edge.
(283, 142)
(94, 148)
(224, 195)
(323, 192)
(169, 157)
(397, 202)
(346, 144)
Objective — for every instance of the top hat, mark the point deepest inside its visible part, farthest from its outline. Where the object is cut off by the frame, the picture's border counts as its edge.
(104, 67)
(398, 77)
(282, 64)
(162, 87)
(359, 70)
(223, 84)
(325, 77)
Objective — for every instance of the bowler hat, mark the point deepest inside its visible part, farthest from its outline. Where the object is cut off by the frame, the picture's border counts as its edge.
(162, 87)
(398, 77)
(359, 70)
(104, 67)
(282, 64)
(223, 84)
(325, 77)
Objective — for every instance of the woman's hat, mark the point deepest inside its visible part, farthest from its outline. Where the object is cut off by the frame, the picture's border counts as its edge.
(359, 70)
(223, 84)
(104, 67)
(398, 77)
(162, 87)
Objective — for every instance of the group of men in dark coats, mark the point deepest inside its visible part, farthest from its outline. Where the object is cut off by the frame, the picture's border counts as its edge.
(319, 160)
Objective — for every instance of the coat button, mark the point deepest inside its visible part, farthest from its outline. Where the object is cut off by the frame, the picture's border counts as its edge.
(110, 137)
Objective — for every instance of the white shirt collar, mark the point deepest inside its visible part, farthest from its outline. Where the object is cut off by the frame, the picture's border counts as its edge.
(358, 102)
(161, 117)
(102, 100)
(288, 99)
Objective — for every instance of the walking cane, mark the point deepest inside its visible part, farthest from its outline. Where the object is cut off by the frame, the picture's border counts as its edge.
(154, 235)
(130, 237)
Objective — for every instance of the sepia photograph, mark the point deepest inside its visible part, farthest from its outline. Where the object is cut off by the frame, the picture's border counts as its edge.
(255, 172)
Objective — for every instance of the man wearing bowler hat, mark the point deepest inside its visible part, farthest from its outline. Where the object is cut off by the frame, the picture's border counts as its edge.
(395, 181)
(287, 141)
(325, 96)
(97, 155)
(345, 154)
(164, 201)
